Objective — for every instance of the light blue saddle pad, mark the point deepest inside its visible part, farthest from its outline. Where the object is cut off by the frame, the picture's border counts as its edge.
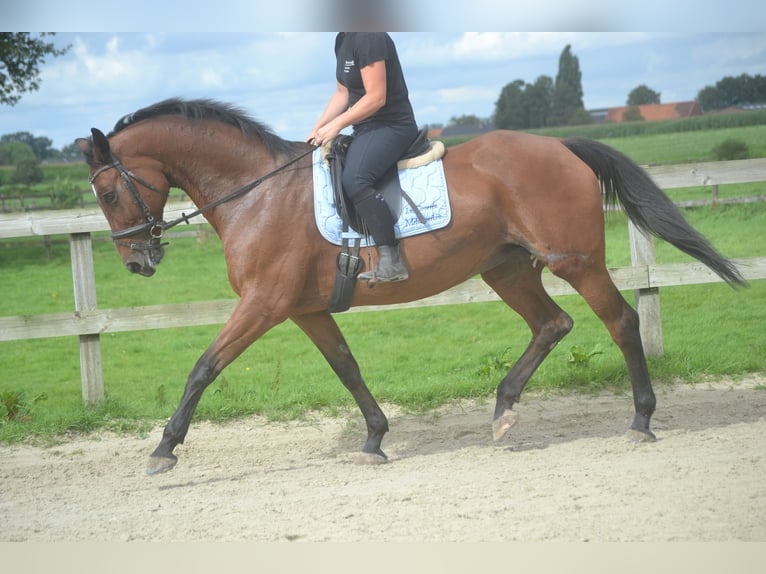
(425, 185)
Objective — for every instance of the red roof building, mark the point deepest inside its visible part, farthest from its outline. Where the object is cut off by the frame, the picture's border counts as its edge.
(654, 112)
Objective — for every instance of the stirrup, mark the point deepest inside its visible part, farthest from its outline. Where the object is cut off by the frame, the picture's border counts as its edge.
(372, 277)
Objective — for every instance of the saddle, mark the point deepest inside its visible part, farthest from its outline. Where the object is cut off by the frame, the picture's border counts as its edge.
(349, 264)
(421, 152)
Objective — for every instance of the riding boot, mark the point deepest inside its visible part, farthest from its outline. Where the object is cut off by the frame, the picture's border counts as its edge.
(377, 218)
(390, 266)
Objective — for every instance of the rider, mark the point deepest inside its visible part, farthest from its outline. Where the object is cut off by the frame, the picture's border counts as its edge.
(371, 95)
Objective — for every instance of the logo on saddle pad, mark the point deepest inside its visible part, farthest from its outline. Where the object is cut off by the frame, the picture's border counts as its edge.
(425, 185)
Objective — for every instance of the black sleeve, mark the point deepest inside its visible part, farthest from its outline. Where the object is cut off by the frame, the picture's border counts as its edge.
(371, 48)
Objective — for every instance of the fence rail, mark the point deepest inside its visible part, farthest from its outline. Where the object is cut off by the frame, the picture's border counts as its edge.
(88, 322)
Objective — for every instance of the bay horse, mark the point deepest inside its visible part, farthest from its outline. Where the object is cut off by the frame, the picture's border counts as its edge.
(519, 202)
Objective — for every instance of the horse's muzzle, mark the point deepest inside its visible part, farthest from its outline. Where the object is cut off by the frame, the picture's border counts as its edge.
(144, 262)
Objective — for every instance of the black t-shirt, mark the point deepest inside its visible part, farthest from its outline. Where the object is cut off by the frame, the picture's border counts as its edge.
(354, 51)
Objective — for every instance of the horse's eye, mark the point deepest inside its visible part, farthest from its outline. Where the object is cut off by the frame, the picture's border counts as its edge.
(109, 198)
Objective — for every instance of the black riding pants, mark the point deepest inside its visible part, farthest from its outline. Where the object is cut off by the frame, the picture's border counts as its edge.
(374, 150)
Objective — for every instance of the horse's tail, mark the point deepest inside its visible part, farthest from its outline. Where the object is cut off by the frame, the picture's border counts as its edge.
(623, 181)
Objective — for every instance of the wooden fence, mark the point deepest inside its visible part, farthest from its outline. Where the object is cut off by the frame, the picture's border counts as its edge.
(88, 322)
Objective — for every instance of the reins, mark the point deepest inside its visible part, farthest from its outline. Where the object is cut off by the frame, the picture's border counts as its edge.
(157, 228)
(235, 194)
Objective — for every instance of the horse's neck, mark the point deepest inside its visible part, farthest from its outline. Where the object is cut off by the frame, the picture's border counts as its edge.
(206, 164)
(208, 170)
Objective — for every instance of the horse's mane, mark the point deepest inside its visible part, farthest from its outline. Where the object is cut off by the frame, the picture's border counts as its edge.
(206, 109)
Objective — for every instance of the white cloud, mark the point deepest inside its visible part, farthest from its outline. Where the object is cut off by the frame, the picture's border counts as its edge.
(466, 94)
(109, 69)
(113, 45)
(421, 51)
(211, 78)
(484, 44)
(504, 45)
(733, 49)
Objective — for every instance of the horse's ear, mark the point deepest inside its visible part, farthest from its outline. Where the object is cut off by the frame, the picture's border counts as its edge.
(102, 154)
(86, 148)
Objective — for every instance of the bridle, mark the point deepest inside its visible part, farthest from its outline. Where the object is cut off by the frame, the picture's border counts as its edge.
(156, 228)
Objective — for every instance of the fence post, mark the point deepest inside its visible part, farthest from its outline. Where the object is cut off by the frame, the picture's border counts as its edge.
(84, 279)
(647, 300)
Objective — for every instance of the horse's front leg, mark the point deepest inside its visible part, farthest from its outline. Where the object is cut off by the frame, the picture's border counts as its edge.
(243, 327)
(322, 329)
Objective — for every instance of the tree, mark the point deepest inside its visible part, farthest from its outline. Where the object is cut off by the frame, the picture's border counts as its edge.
(544, 103)
(632, 114)
(465, 120)
(732, 91)
(27, 171)
(523, 106)
(72, 151)
(567, 92)
(12, 152)
(66, 194)
(21, 55)
(510, 107)
(642, 95)
(742, 89)
(709, 98)
(539, 97)
(41, 146)
(20, 154)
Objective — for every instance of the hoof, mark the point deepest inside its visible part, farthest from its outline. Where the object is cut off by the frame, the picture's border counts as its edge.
(160, 464)
(370, 458)
(502, 424)
(641, 436)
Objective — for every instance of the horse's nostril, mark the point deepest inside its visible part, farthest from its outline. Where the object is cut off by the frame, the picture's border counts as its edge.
(133, 267)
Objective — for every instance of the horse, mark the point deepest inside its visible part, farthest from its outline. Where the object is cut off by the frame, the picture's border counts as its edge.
(520, 202)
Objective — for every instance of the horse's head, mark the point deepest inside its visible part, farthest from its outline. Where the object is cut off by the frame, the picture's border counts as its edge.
(132, 198)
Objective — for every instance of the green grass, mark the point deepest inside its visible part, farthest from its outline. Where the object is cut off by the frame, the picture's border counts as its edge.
(417, 358)
(674, 148)
(724, 191)
(708, 330)
(670, 142)
(68, 182)
(734, 230)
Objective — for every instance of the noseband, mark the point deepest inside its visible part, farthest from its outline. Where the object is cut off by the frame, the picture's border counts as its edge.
(157, 228)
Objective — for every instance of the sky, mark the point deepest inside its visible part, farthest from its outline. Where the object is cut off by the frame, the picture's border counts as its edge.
(284, 79)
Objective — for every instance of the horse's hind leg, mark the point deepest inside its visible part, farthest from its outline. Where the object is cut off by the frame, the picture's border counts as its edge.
(322, 329)
(621, 320)
(518, 283)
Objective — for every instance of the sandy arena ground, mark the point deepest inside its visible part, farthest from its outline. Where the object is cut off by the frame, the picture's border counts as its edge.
(566, 473)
